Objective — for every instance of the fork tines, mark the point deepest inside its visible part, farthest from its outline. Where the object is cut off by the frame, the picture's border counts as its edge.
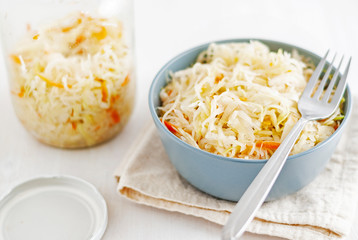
(336, 83)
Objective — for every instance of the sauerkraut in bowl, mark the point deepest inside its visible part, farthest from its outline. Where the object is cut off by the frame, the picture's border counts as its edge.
(240, 99)
(71, 81)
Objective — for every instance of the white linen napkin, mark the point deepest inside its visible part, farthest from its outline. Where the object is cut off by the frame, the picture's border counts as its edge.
(324, 209)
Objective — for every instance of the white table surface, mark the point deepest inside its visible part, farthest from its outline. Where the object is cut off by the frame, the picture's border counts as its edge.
(163, 29)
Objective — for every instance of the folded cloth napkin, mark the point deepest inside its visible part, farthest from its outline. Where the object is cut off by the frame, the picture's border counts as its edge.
(325, 209)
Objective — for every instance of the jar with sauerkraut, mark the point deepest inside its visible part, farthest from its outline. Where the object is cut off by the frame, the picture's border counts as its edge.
(71, 72)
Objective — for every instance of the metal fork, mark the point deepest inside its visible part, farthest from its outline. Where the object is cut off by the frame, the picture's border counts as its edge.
(312, 106)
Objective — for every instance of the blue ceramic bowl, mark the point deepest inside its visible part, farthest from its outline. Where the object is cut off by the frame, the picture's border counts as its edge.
(228, 178)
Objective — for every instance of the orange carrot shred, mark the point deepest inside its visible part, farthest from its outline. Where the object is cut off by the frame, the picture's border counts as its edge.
(126, 80)
(267, 144)
(80, 39)
(80, 51)
(101, 34)
(15, 58)
(74, 125)
(104, 91)
(22, 92)
(115, 116)
(59, 85)
(114, 98)
(218, 78)
(171, 127)
(78, 22)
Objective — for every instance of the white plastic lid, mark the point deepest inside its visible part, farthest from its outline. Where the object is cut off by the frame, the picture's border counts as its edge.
(53, 208)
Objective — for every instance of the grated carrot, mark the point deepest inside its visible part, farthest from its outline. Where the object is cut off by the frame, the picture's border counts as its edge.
(104, 89)
(126, 80)
(15, 58)
(101, 34)
(80, 39)
(218, 78)
(171, 127)
(267, 144)
(69, 28)
(59, 85)
(114, 98)
(22, 92)
(115, 116)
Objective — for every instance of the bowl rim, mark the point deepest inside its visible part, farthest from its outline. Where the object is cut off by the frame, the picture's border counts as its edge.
(164, 69)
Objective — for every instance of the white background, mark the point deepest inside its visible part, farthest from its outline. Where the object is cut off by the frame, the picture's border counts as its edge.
(164, 28)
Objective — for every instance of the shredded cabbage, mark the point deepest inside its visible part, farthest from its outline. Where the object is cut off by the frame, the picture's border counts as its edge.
(240, 100)
(71, 81)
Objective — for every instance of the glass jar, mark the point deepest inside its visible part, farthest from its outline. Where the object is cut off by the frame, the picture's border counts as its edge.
(71, 67)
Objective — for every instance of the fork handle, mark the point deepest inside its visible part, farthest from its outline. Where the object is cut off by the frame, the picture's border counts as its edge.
(258, 190)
